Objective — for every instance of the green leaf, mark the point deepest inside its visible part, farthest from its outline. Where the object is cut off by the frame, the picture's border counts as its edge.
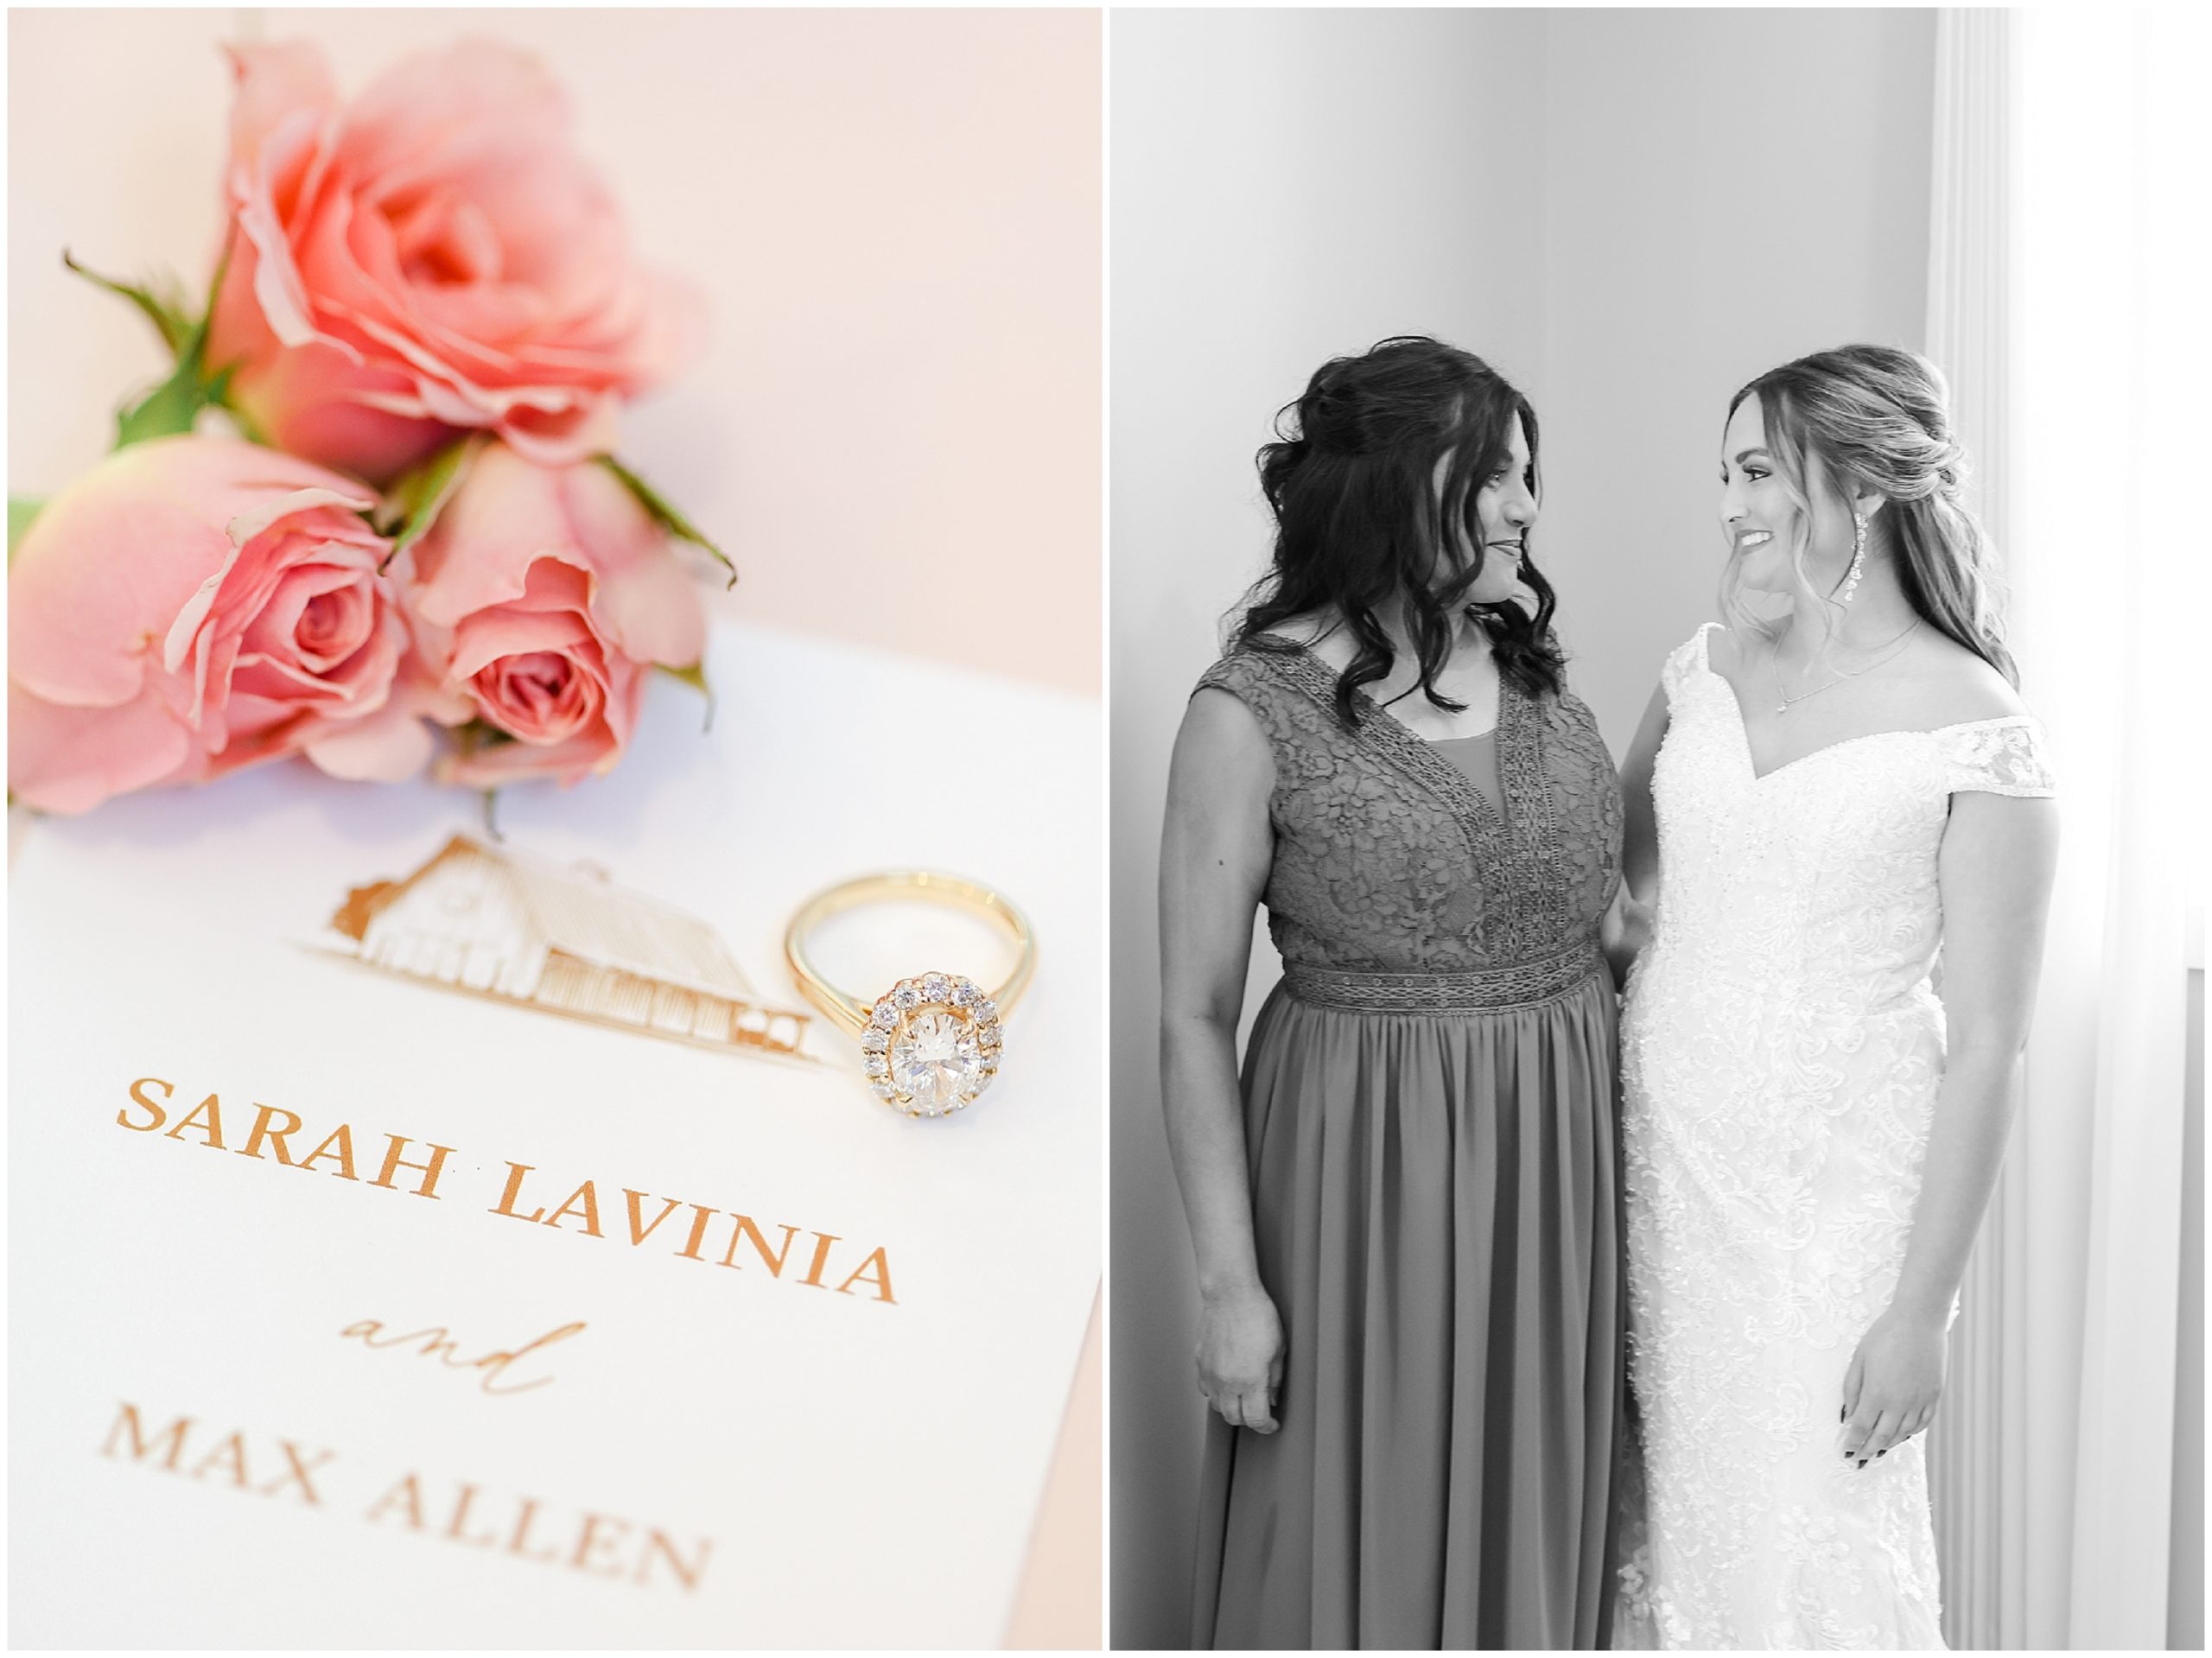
(21, 510)
(164, 308)
(174, 406)
(473, 734)
(696, 677)
(411, 505)
(665, 515)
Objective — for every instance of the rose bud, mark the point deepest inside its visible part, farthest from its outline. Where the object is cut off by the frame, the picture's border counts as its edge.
(194, 605)
(545, 596)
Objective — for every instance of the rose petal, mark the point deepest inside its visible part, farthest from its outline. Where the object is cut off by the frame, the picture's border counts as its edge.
(388, 747)
(540, 696)
(101, 577)
(272, 84)
(648, 605)
(506, 515)
(483, 639)
(564, 439)
(70, 760)
(186, 635)
(135, 595)
(501, 764)
(317, 616)
(441, 253)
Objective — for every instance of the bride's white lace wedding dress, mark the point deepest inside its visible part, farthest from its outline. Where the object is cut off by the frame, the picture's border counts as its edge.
(1781, 1048)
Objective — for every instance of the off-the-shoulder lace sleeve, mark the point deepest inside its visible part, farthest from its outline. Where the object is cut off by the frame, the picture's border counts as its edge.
(1998, 757)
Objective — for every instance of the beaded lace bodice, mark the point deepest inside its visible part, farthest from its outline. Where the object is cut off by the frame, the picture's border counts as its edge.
(1817, 881)
(1387, 859)
(1782, 1051)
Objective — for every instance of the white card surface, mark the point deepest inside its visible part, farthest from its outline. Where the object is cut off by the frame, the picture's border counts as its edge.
(724, 1455)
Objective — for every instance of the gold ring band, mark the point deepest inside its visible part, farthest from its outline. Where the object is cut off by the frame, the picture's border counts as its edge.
(932, 1042)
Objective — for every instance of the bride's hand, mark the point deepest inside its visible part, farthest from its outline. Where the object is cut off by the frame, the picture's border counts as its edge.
(1890, 1389)
(1240, 1357)
(1623, 934)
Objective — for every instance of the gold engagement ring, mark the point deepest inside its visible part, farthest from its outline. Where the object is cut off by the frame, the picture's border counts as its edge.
(933, 1042)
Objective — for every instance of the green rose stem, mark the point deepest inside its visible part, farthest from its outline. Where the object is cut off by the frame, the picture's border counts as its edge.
(482, 733)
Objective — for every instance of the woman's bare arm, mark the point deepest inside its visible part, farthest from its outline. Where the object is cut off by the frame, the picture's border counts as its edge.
(1213, 866)
(1998, 858)
(1628, 924)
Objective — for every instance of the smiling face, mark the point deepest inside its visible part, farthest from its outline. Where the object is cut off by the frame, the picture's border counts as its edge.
(1758, 512)
(1505, 511)
(1764, 518)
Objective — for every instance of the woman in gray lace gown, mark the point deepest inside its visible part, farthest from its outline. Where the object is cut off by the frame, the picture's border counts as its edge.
(1409, 1252)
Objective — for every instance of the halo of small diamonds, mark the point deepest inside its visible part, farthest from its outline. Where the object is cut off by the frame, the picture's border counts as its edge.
(933, 1044)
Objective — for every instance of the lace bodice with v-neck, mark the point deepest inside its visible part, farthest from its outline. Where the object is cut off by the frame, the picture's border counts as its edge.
(1387, 859)
(1817, 878)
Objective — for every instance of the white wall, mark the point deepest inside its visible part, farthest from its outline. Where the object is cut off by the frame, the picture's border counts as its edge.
(1726, 190)
(1629, 213)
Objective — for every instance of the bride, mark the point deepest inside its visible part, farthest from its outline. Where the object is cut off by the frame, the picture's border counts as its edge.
(1818, 804)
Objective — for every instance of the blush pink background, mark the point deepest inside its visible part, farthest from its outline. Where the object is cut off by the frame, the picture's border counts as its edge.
(895, 431)
(895, 215)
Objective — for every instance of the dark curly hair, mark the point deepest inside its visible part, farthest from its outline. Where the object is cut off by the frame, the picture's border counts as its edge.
(1360, 524)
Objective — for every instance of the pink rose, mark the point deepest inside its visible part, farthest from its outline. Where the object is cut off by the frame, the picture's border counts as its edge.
(194, 605)
(545, 596)
(430, 259)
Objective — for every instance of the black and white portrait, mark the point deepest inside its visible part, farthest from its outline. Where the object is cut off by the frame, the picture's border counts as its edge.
(1657, 825)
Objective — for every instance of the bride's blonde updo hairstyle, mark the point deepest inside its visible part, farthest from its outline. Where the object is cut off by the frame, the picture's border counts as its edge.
(1874, 417)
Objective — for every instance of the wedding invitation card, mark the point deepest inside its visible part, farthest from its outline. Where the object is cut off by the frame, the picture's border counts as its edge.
(430, 1233)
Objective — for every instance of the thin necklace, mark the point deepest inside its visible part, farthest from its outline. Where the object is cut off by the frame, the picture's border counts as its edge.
(1774, 662)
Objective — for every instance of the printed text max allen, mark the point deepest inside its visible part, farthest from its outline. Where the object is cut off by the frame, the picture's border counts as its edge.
(596, 1544)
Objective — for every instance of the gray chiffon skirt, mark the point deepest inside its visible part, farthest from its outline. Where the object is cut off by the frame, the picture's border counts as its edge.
(1435, 1201)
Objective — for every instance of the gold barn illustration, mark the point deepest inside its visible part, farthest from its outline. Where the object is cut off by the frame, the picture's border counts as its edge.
(565, 940)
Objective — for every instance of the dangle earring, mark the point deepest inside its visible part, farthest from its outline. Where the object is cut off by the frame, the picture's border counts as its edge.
(1858, 558)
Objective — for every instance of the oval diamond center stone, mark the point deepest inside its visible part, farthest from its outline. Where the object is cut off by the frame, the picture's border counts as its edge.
(934, 1060)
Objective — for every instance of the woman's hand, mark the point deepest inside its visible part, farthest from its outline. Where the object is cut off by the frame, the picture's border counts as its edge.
(1895, 1378)
(1623, 935)
(1240, 1357)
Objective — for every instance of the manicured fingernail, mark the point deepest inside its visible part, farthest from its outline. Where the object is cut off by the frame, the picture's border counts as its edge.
(1862, 1462)
(1878, 1455)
